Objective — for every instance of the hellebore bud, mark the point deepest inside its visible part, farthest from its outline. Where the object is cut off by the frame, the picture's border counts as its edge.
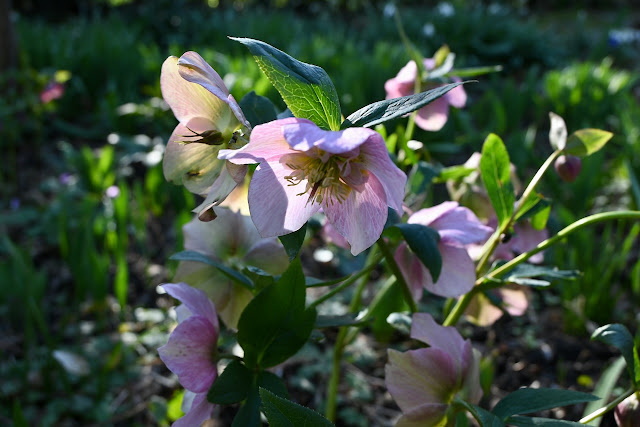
(568, 167)
(627, 413)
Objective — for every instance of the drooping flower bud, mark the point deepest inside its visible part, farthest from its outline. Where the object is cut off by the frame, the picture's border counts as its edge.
(568, 167)
(627, 413)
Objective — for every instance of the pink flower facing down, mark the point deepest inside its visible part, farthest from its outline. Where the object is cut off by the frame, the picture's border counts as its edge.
(524, 239)
(190, 352)
(303, 168)
(234, 241)
(457, 226)
(423, 382)
(210, 119)
(433, 116)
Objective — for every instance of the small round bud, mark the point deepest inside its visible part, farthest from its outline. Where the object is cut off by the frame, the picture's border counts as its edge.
(627, 413)
(568, 167)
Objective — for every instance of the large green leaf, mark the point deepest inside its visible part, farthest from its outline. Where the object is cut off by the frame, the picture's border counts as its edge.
(423, 241)
(528, 400)
(232, 386)
(495, 168)
(619, 336)
(285, 413)
(538, 275)
(258, 109)
(249, 414)
(306, 89)
(382, 111)
(585, 142)
(276, 324)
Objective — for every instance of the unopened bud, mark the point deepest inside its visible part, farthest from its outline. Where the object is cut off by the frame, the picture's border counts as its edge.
(627, 413)
(568, 167)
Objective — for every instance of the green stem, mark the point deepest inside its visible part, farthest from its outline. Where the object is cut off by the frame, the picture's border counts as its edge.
(373, 259)
(395, 269)
(463, 302)
(600, 412)
(350, 281)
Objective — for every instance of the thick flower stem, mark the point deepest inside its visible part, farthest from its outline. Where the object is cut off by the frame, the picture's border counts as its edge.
(373, 259)
(600, 412)
(395, 269)
(463, 302)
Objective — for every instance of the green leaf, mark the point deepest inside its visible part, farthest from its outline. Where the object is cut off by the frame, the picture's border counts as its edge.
(540, 218)
(423, 241)
(528, 400)
(232, 386)
(523, 274)
(227, 271)
(484, 417)
(273, 383)
(585, 142)
(258, 109)
(454, 172)
(260, 278)
(495, 168)
(293, 241)
(249, 414)
(619, 336)
(520, 421)
(306, 89)
(382, 111)
(285, 413)
(275, 324)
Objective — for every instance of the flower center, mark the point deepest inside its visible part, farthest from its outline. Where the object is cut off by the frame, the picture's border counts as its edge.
(325, 179)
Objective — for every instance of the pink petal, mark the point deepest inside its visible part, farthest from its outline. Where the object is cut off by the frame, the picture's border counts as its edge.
(527, 238)
(418, 377)
(331, 235)
(305, 135)
(462, 226)
(412, 270)
(456, 97)
(377, 161)
(429, 215)
(445, 338)
(195, 300)
(267, 143)
(482, 312)
(229, 298)
(458, 274)
(194, 165)
(227, 181)
(193, 68)
(190, 352)
(432, 117)
(200, 411)
(404, 83)
(515, 301)
(276, 207)
(361, 217)
(188, 100)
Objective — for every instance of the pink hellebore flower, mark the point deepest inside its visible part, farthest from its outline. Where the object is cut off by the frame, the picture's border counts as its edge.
(524, 238)
(235, 241)
(303, 168)
(433, 116)
(190, 352)
(423, 382)
(210, 119)
(457, 226)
